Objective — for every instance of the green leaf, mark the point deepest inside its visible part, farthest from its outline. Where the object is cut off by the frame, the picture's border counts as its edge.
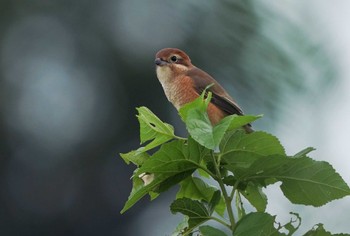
(198, 124)
(161, 182)
(173, 158)
(239, 121)
(198, 105)
(254, 194)
(214, 201)
(137, 158)
(173, 162)
(195, 210)
(259, 143)
(290, 225)
(153, 195)
(304, 152)
(152, 128)
(257, 224)
(240, 150)
(195, 116)
(207, 230)
(318, 231)
(240, 209)
(196, 189)
(221, 207)
(304, 181)
(181, 227)
(203, 173)
(173, 180)
(140, 190)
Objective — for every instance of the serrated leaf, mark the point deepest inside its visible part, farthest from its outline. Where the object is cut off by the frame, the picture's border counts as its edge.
(258, 142)
(221, 207)
(139, 190)
(137, 158)
(240, 150)
(151, 126)
(239, 121)
(318, 231)
(173, 180)
(173, 162)
(304, 152)
(200, 105)
(195, 210)
(257, 224)
(153, 195)
(195, 116)
(196, 189)
(304, 181)
(254, 194)
(203, 173)
(214, 201)
(207, 230)
(181, 227)
(173, 158)
(290, 225)
(160, 183)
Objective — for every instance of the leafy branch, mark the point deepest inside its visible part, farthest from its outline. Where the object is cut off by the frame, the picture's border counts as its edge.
(242, 163)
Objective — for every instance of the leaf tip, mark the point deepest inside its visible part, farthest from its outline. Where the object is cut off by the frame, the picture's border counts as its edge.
(124, 157)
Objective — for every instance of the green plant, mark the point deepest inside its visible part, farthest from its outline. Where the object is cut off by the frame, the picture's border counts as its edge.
(241, 164)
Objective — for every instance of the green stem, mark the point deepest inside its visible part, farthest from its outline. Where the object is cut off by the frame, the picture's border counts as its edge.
(207, 171)
(221, 221)
(224, 192)
(232, 193)
(180, 138)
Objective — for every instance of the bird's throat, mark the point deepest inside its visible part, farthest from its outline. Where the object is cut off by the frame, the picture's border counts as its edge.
(164, 73)
(170, 85)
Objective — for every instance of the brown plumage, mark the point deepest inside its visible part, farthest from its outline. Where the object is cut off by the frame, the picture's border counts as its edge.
(183, 82)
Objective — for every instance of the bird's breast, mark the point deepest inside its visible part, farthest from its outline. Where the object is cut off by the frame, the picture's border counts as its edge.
(178, 89)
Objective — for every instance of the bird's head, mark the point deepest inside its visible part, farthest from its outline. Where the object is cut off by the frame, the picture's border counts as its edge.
(171, 62)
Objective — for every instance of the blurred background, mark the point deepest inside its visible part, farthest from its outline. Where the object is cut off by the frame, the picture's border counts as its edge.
(72, 73)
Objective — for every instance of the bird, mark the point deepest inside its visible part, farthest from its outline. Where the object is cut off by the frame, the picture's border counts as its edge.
(183, 82)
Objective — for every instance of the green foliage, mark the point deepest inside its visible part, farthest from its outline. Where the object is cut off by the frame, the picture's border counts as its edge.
(319, 230)
(207, 230)
(151, 128)
(199, 127)
(257, 223)
(242, 163)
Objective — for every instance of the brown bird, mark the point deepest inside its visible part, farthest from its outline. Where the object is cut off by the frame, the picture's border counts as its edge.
(183, 82)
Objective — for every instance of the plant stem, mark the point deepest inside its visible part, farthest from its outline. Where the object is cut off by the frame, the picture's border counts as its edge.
(224, 192)
(180, 138)
(232, 193)
(220, 221)
(207, 171)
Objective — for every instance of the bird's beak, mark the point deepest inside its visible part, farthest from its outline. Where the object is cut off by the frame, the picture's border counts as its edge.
(160, 62)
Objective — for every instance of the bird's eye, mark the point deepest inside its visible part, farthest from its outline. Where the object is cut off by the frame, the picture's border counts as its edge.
(173, 59)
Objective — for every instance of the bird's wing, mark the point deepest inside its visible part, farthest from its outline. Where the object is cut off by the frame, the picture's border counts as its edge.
(220, 97)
